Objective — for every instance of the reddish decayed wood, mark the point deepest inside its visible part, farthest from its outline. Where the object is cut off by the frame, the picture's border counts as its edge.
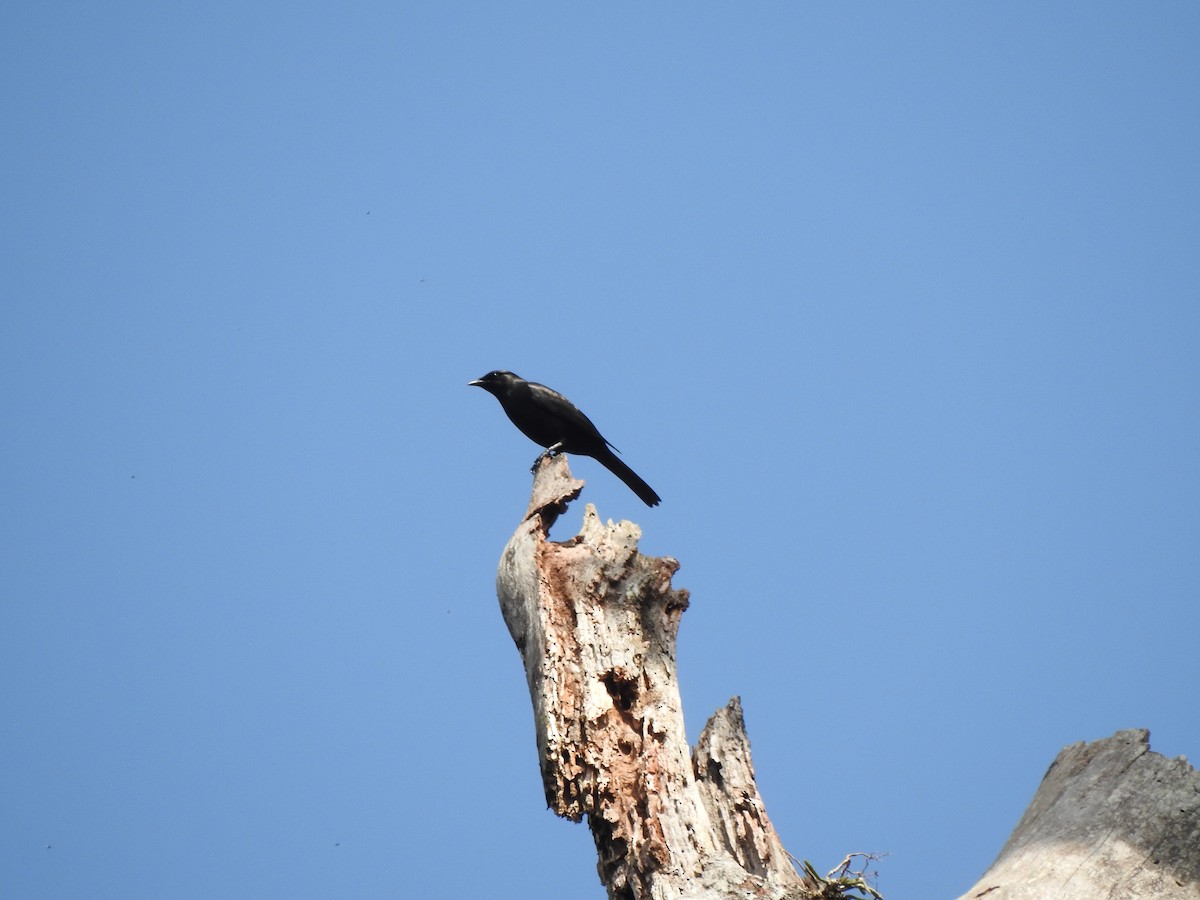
(596, 624)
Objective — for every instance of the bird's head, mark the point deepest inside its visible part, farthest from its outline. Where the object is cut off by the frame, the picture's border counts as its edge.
(496, 382)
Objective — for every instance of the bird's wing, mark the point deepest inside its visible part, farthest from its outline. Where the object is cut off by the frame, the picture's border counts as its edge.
(555, 404)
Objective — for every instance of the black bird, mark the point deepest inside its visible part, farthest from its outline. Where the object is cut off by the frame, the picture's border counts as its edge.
(548, 418)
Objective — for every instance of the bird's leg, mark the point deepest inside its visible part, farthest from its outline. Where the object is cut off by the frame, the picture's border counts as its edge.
(549, 451)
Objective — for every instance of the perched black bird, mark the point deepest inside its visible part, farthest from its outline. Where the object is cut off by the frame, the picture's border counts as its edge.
(548, 418)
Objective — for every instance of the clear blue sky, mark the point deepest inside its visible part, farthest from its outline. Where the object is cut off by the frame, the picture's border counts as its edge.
(898, 307)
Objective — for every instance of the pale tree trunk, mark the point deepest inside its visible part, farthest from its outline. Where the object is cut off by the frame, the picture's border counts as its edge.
(1111, 819)
(595, 623)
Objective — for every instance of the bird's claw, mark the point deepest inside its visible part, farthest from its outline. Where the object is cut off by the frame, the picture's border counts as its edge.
(549, 451)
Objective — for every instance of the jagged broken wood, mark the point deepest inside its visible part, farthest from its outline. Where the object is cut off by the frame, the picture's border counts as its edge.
(595, 623)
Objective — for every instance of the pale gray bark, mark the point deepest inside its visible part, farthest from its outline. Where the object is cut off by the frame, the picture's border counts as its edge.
(1112, 820)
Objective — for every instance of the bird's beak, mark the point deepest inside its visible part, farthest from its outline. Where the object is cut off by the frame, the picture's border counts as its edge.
(475, 383)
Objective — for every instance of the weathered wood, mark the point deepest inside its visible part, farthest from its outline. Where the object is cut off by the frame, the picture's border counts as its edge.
(595, 622)
(1111, 819)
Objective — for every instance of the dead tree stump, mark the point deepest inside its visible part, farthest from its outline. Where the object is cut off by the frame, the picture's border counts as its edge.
(595, 623)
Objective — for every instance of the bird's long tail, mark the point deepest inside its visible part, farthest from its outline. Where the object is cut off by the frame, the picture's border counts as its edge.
(614, 464)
